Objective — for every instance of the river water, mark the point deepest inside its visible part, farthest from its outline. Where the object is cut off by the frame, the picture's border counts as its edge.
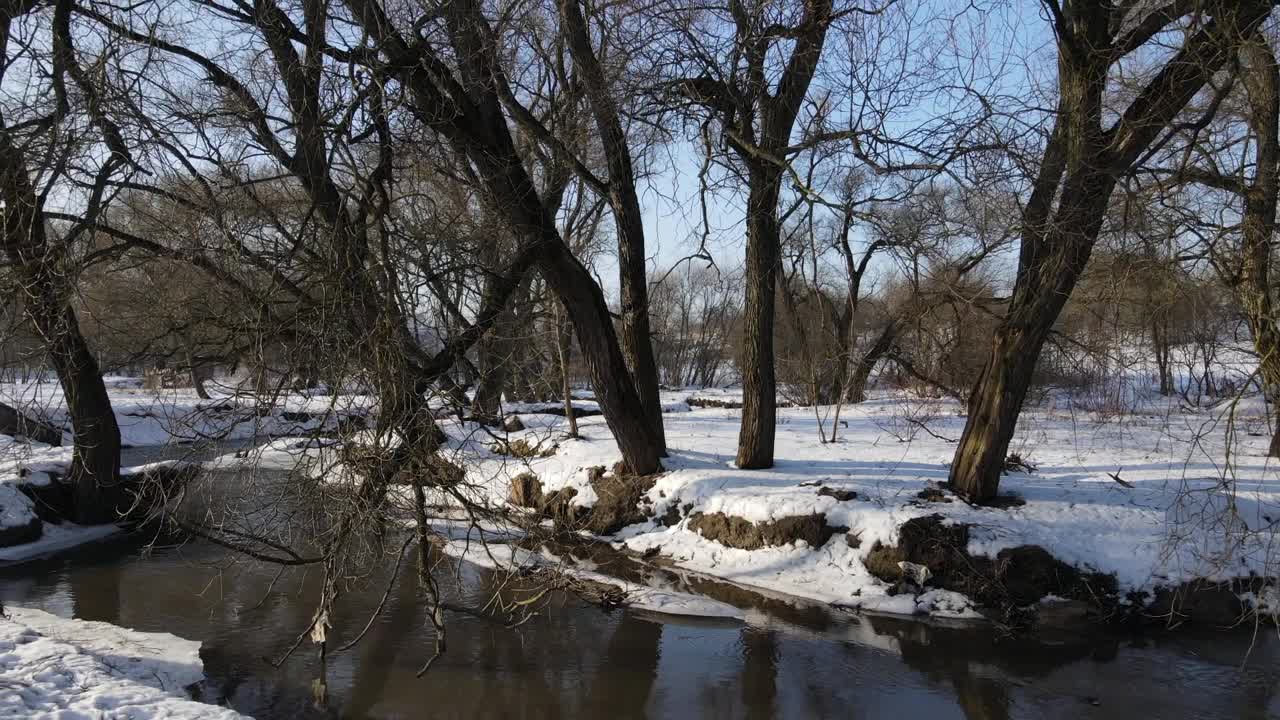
(573, 660)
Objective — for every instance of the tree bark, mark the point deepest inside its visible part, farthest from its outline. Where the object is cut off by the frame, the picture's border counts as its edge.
(95, 461)
(494, 356)
(1253, 286)
(563, 349)
(759, 385)
(1160, 345)
(857, 391)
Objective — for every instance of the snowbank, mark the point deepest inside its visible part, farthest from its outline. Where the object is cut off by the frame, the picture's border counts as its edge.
(54, 667)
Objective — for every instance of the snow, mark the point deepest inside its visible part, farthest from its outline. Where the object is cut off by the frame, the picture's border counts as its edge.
(51, 667)
(149, 419)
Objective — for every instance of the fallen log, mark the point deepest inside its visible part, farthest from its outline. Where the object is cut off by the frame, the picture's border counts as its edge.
(13, 422)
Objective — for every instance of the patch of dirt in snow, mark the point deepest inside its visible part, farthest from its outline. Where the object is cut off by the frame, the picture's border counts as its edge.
(736, 532)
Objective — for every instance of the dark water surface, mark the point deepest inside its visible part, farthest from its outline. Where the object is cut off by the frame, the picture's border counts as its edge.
(576, 661)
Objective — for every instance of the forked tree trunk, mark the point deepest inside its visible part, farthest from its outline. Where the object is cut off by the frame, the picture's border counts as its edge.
(95, 460)
(1253, 286)
(637, 343)
(759, 386)
(857, 391)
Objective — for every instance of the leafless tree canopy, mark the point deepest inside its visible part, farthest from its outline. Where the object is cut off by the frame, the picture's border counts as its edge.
(445, 206)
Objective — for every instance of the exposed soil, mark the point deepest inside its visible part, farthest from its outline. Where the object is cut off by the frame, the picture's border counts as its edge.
(620, 501)
(1205, 603)
(21, 534)
(839, 495)
(737, 532)
(1016, 577)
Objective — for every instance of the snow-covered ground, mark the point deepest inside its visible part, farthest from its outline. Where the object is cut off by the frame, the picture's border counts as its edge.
(1204, 501)
(51, 667)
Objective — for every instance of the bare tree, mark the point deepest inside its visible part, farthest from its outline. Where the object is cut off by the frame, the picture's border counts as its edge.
(37, 154)
(753, 88)
(1081, 165)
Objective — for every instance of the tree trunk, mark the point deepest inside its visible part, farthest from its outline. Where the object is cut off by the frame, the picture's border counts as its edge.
(1051, 261)
(494, 358)
(994, 405)
(619, 403)
(95, 460)
(1079, 171)
(493, 354)
(199, 376)
(857, 391)
(563, 349)
(1253, 287)
(14, 422)
(1160, 344)
(476, 126)
(637, 342)
(759, 386)
(1048, 272)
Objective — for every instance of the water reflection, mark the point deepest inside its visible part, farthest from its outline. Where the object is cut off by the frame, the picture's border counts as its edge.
(574, 661)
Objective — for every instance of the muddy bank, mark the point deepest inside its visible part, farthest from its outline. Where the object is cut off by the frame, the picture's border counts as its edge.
(736, 532)
(621, 500)
(1026, 585)
(132, 497)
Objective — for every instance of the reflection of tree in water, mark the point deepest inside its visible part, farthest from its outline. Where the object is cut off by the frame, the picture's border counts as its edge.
(623, 680)
(951, 655)
(95, 593)
(377, 651)
(237, 663)
(759, 672)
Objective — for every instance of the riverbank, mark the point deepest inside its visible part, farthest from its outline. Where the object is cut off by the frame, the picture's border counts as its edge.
(1158, 511)
(56, 667)
(1164, 512)
(158, 428)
